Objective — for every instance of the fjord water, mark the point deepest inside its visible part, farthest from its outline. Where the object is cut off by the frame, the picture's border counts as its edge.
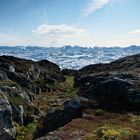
(71, 57)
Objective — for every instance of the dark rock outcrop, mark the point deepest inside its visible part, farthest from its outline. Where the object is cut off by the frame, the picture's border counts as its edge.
(7, 66)
(7, 129)
(17, 113)
(112, 91)
(114, 86)
(29, 74)
(59, 117)
(20, 81)
(36, 90)
(3, 75)
(129, 63)
(69, 72)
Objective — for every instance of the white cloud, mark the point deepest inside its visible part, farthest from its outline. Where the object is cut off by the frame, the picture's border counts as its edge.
(47, 35)
(93, 6)
(135, 31)
(62, 29)
(55, 41)
(59, 35)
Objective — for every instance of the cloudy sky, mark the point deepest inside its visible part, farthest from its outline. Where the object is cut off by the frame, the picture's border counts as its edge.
(70, 22)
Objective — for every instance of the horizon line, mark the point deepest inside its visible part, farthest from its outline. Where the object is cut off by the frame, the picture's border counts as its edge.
(25, 46)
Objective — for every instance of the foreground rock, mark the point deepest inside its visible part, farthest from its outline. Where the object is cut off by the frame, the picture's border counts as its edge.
(115, 86)
(7, 129)
(112, 91)
(20, 81)
(58, 117)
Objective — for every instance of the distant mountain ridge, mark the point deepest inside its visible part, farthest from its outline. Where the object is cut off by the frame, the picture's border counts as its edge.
(74, 57)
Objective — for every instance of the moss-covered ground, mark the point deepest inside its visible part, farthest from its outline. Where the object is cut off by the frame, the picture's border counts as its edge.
(65, 91)
(25, 132)
(46, 101)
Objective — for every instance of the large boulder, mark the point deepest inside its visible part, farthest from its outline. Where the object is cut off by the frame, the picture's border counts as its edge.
(7, 66)
(112, 91)
(15, 94)
(115, 85)
(58, 117)
(7, 129)
(19, 78)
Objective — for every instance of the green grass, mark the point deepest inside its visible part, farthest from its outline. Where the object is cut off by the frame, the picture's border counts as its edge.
(26, 132)
(70, 80)
(9, 83)
(112, 132)
(67, 89)
(16, 100)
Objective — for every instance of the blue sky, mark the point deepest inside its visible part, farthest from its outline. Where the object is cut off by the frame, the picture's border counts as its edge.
(70, 22)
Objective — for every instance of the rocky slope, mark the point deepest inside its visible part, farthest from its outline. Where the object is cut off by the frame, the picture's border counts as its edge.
(107, 106)
(97, 102)
(112, 85)
(20, 82)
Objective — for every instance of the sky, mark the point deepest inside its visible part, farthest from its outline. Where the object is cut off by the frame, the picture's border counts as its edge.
(55, 23)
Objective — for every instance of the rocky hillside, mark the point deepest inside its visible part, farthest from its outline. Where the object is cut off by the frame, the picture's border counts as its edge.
(112, 85)
(107, 105)
(20, 82)
(98, 102)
